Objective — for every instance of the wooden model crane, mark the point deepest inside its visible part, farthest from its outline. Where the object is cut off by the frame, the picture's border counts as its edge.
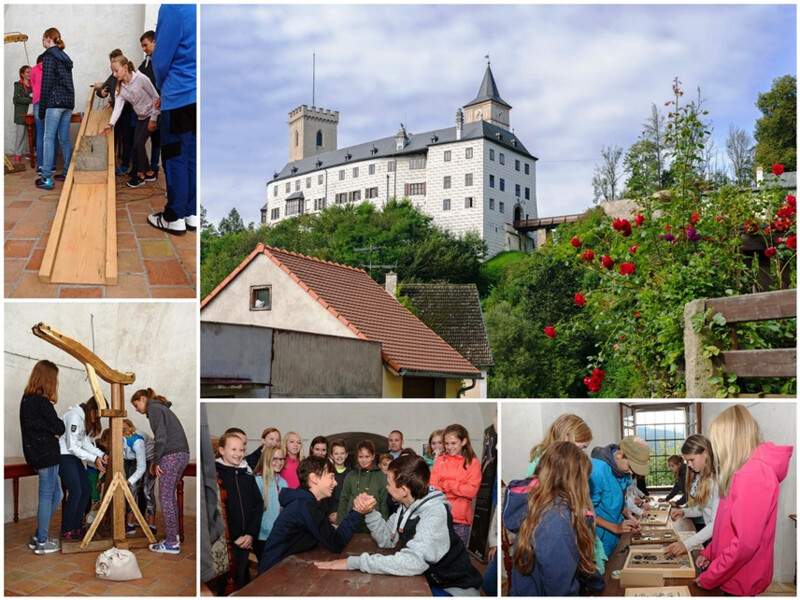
(117, 492)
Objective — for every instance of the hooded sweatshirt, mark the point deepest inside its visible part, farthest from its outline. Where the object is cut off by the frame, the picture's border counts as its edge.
(168, 434)
(40, 428)
(57, 89)
(373, 482)
(75, 441)
(459, 484)
(607, 485)
(303, 524)
(244, 500)
(428, 545)
(175, 55)
(742, 549)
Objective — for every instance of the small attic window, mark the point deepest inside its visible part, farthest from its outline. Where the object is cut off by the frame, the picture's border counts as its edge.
(261, 297)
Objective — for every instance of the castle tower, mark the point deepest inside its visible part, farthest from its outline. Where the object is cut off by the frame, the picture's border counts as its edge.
(488, 105)
(312, 131)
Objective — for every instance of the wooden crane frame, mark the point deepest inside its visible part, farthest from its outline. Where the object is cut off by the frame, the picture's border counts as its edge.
(117, 492)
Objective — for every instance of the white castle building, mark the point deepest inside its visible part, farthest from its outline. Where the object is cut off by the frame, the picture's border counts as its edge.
(474, 176)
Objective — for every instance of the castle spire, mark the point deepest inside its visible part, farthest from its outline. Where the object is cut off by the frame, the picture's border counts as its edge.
(488, 105)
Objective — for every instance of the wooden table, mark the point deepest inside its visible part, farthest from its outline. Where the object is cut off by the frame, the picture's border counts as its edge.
(296, 575)
(620, 553)
(16, 467)
(30, 122)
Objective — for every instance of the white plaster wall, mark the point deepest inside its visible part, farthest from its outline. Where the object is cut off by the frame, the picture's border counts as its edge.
(90, 32)
(157, 341)
(523, 425)
(292, 307)
(309, 419)
(778, 421)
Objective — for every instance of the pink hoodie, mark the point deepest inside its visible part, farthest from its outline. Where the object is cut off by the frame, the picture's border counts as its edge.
(36, 82)
(741, 551)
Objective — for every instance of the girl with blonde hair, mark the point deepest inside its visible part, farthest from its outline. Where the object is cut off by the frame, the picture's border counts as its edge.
(703, 492)
(566, 428)
(555, 544)
(739, 559)
(292, 447)
(270, 483)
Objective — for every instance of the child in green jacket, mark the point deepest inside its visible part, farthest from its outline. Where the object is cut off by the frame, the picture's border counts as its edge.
(23, 96)
(366, 477)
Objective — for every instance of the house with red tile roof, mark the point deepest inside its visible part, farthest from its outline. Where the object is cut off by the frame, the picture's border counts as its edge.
(284, 290)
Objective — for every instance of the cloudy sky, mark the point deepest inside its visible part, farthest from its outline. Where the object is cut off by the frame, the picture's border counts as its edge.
(577, 77)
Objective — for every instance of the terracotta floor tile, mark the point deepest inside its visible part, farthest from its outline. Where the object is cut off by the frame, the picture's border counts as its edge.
(18, 248)
(29, 231)
(148, 232)
(185, 241)
(128, 261)
(30, 287)
(173, 292)
(157, 249)
(35, 263)
(14, 269)
(126, 241)
(128, 286)
(20, 204)
(80, 292)
(26, 586)
(166, 272)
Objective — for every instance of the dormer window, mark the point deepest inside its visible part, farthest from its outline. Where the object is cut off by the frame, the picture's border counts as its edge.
(261, 297)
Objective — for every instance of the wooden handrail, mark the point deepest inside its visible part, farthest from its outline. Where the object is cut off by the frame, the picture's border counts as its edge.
(762, 306)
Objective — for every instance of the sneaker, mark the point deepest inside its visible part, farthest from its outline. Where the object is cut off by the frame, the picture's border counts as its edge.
(135, 182)
(165, 548)
(61, 177)
(17, 159)
(153, 530)
(32, 542)
(192, 222)
(39, 171)
(72, 536)
(176, 227)
(45, 183)
(121, 170)
(130, 529)
(47, 547)
(151, 177)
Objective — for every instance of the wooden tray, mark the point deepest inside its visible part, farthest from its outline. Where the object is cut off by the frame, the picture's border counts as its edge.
(683, 564)
(655, 518)
(662, 536)
(674, 591)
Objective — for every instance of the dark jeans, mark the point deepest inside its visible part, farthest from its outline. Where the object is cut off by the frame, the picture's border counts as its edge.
(79, 493)
(179, 157)
(139, 141)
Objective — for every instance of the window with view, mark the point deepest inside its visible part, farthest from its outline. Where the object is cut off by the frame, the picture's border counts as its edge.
(261, 297)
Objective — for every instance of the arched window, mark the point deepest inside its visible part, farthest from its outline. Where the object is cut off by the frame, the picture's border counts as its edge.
(517, 213)
(319, 139)
(296, 139)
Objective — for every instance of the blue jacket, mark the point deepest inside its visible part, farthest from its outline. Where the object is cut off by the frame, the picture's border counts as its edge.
(175, 55)
(607, 493)
(58, 90)
(303, 524)
(273, 509)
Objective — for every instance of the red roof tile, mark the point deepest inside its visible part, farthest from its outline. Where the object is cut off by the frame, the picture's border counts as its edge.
(353, 297)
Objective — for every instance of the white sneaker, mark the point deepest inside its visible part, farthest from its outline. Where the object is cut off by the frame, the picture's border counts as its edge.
(192, 222)
(176, 227)
(47, 547)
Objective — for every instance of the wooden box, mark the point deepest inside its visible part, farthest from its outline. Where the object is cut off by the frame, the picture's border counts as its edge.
(655, 518)
(653, 559)
(674, 591)
(654, 536)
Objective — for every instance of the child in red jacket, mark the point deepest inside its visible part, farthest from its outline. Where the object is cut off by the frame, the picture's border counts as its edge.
(739, 559)
(458, 474)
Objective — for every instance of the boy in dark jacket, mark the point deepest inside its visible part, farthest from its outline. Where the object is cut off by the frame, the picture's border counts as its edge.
(244, 503)
(303, 522)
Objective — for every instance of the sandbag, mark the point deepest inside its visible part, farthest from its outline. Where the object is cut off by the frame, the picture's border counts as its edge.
(117, 565)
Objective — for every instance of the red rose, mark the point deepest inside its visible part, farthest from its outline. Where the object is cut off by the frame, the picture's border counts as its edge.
(580, 299)
(588, 256)
(616, 347)
(639, 220)
(791, 200)
(550, 331)
(777, 169)
(695, 217)
(607, 262)
(599, 374)
(779, 240)
(623, 226)
(770, 252)
(720, 218)
(637, 314)
(633, 248)
(627, 268)
(791, 242)
(576, 242)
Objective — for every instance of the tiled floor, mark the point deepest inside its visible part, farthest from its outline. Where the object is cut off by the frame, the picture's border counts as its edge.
(27, 574)
(151, 263)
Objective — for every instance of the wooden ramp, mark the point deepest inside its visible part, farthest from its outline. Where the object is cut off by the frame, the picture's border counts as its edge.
(82, 247)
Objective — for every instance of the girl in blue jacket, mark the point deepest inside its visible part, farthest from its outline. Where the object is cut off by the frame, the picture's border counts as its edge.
(270, 483)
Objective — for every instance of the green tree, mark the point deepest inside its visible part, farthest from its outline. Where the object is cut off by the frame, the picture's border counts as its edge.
(776, 131)
(232, 223)
(740, 149)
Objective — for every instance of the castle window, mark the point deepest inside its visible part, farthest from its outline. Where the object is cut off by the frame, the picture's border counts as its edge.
(390, 166)
(294, 207)
(274, 190)
(502, 185)
(371, 169)
(355, 196)
(415, 189)
(517, 190)
(260, 297)
(288, 186)
(502, 207)
(416, 163)
(502, 158)
(355, 172)
(527, 193)
(491, 181)
(371, 192)
(341, 198)
(297, 186)
(491, 203)
(308, 182)
(448, 154)
(467, 179)
(275, 214)
(319, 179)
(491, 153)
(527, 169)
(341, 175)
(516, 165)
(296, 139)
(319, 139)
(468, 152)
(319, 203)
(446, 204)
(469, 202)
(446, 184)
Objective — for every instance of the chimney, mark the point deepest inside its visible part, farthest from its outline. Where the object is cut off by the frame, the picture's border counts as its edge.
(459, 123)
(759, 174)
(391, 283)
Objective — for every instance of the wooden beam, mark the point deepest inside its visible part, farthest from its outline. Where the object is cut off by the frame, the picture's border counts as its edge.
(116, 466)
(780, 362)
(763, 306)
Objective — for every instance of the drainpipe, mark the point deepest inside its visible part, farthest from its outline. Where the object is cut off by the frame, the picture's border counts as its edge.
(464, 390)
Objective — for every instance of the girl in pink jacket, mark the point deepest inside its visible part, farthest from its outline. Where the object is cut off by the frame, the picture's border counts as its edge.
(457, 473)
(739, 559)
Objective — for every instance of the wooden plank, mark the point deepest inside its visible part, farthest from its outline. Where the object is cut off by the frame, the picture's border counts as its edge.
(116, 465)
(778, 362)
(763, 306)
(97, 177)
(111, 213)
(93, 546)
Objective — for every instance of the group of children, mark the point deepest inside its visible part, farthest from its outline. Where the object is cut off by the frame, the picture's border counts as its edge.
(280, 502)
(62, 447)
(570, 511)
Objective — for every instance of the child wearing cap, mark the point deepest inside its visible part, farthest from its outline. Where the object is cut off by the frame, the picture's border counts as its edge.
(612, 466)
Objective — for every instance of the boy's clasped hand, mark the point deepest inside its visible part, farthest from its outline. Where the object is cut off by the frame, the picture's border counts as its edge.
(363, 504)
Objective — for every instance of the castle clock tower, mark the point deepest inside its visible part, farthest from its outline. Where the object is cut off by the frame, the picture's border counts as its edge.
(488, 105)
